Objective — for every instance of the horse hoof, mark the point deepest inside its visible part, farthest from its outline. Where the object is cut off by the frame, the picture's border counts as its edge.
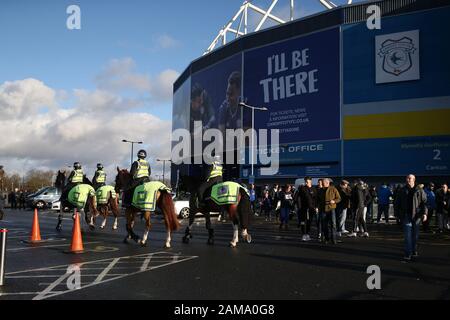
(210, 242)
(143, 244)
(91, 227)
(114, 228)
(185, 239)
(58, 227)
(232, 245)
(125, 240)
(248, 238)
(167, 246)
(102, 227)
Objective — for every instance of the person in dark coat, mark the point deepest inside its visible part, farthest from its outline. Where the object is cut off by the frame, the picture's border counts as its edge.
(342, 207)
(442, 206)
(411, 203)
(306, 201)
(360, 199)
(287, 203)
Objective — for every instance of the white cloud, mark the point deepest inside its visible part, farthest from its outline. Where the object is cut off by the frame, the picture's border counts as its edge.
(89, 132)
(162, 85)
(165, 41)
(119, 76)
(25, 97)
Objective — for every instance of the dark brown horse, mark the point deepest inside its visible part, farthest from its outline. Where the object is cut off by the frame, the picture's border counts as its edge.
(163, 201)
(60, 181)
(239, 213)
(90, 210)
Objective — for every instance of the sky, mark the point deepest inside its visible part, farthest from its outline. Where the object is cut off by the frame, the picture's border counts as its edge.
(73, 95)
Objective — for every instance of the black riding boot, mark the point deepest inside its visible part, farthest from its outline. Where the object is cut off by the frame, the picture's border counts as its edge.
(59, 225)
(210, 236)
(187, 235)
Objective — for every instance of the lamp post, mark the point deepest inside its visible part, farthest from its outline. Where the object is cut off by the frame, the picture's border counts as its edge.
(132, 145)
(164, 166)
(244, 105)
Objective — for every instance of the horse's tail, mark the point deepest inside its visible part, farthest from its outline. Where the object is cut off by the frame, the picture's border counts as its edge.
(168, 208)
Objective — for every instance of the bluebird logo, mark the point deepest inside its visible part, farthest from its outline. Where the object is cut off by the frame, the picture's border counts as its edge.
(397, 55)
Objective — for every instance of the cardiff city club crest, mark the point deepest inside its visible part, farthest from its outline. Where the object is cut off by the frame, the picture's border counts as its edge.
(396, 55)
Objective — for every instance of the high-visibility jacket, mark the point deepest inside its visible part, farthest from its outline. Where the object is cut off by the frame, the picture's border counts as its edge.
(78, 176)
(79, 194)
(100, 176)
(142, 170)
(216, 170)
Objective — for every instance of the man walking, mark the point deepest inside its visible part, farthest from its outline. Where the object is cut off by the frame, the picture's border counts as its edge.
(306, 206)
(411, 204)
(341, 209)
(328, 197)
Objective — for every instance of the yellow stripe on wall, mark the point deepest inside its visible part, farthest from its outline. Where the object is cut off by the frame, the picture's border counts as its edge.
(400, 124)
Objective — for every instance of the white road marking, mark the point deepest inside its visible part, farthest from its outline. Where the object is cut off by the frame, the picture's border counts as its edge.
(42, 294)
(161, 258)
(145, 264)
(106, 270)
(120, 277)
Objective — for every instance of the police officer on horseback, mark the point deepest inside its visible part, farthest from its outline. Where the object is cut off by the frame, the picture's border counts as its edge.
(214, 175)
(77, 174)
(99, 179)
(140, 169)
(76, 177)
(140, 173)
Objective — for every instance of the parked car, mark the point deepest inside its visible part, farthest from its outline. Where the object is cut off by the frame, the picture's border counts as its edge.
(56, 206)
(43, 198)
(181, 202)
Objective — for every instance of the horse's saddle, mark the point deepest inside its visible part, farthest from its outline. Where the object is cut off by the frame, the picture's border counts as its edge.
(144, 196)
(226, 192)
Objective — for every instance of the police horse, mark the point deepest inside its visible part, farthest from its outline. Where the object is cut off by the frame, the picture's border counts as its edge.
(145, 199)
(90, 209)
(228, 196)
(107, 201)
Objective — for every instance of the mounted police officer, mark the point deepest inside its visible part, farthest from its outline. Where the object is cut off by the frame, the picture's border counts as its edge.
(214, 175)
(77, 174)
(76, 177)
(99, 179)
(140, 171)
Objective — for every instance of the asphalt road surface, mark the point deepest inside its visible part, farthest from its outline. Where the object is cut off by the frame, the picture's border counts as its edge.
(276, 265)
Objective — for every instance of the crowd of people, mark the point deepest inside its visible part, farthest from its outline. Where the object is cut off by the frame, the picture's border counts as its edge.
(342, 209)
(16, 199)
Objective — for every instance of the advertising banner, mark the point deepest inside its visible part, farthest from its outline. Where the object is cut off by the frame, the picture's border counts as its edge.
(298, 81)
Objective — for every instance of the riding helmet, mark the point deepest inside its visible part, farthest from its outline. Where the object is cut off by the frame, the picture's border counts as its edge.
(77, 166)
(142, 154)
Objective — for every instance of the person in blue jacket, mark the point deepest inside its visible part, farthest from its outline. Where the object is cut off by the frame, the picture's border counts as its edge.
(431, 205)
(384, 193)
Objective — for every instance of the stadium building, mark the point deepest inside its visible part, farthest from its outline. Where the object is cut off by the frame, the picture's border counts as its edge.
(349, 101)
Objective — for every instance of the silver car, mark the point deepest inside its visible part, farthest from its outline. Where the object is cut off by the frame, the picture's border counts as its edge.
(44, 198)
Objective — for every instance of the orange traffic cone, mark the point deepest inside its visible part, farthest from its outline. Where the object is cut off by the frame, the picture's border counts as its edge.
(77, 241)
(35, 231)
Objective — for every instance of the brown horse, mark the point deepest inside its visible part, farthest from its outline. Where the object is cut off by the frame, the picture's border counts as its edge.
(112, 205)
(163, 201)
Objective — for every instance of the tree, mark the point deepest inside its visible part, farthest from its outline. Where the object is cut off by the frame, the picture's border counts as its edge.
(36, 179)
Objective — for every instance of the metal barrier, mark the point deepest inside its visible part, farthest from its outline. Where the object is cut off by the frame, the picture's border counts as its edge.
(3, 236)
